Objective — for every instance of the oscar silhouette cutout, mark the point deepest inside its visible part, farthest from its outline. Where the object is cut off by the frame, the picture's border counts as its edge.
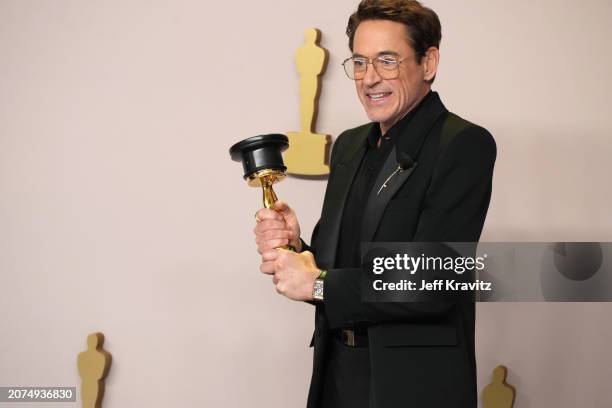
(498, 394)
(93, 366)
(307, 153)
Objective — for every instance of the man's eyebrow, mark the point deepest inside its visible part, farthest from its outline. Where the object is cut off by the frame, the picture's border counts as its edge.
(380, 54)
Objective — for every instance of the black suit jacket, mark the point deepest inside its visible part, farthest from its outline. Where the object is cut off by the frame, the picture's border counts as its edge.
(421, 354)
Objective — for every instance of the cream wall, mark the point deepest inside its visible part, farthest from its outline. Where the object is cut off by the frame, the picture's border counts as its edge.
(120, 210)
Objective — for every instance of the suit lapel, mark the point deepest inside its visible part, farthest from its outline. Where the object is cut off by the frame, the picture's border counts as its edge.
(338, 188)
(408, 143)
(389, 180)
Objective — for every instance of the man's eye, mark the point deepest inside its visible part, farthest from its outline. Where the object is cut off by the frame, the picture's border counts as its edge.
(389, 62)
(359, 63)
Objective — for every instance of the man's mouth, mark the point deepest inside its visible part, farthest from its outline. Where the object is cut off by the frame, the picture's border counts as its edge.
(378, 96)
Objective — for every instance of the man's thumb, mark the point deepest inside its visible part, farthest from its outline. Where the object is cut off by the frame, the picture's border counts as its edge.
(282, 207)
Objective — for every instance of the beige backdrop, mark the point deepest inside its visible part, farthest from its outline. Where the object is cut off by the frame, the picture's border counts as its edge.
(120, 210)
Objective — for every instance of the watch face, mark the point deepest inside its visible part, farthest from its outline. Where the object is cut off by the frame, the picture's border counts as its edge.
(317, 293)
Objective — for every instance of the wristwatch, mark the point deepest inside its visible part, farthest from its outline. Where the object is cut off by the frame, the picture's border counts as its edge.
(317, 290)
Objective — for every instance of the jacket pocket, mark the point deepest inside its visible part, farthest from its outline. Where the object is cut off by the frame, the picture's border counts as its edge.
(400, 335)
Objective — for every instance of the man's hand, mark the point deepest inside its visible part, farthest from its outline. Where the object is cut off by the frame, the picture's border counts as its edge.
(293, 274)
(277, 227)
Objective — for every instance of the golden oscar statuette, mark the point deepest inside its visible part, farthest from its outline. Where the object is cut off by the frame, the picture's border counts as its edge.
(262, 161)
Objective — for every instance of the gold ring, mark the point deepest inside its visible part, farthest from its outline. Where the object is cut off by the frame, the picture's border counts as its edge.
(257, 218)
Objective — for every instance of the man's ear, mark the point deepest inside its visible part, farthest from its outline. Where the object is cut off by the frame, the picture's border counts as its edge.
(430, 63)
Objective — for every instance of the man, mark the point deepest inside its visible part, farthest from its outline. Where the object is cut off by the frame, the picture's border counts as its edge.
(415, 173)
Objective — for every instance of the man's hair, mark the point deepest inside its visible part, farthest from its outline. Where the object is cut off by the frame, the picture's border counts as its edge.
(422, 23)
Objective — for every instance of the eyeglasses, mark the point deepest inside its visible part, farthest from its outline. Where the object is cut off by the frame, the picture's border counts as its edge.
(386, 66)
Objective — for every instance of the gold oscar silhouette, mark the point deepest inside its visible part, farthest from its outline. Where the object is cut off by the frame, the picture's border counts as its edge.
(307, 153)
(93, 366)
(498, 394)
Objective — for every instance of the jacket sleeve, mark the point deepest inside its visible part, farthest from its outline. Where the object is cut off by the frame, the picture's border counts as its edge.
(332, 164)
(315, 231)
(454, 210)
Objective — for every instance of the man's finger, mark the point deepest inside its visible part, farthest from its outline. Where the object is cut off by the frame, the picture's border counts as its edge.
(276, 234)
(268, 214)
(282, 207)
(273, 243)
(272, 233)
(267, 268)
(265, 225)
(269, 255)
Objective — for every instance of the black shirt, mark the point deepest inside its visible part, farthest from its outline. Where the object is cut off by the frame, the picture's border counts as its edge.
(349, 242)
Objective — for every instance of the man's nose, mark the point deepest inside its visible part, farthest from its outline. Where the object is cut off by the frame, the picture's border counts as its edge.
(371, 76)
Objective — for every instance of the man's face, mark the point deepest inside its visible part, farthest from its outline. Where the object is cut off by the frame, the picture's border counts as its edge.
(387, 100)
